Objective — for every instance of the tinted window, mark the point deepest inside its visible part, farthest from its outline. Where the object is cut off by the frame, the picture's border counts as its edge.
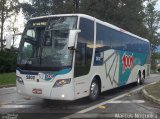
(108, 38)
(84, 47)
(133, 44)
(103, 40)
(116, 38)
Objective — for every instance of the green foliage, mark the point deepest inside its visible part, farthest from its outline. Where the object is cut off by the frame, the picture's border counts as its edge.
(152, 21)
(7, 9)
(47, 7)
(28, 9)
(154, 90)
(127, 14)
(7, 62)
(7, 78)
(154, 57)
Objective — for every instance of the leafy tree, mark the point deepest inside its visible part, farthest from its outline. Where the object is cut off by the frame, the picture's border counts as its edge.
(7, 9)
(102, 9)
(28, 10)
(7, 61)
(131, 17)
(47, 7)
(152, 22)
(154, 56)
(13, 28)
(127, 14)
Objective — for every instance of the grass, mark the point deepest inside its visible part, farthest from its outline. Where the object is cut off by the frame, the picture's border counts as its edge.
(154, 90)
(7, 78)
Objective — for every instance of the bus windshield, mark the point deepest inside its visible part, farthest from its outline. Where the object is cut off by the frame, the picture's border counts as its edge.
(44, 44)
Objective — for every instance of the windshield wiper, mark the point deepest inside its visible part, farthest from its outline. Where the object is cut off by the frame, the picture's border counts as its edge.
(28, 62)
(31, 60)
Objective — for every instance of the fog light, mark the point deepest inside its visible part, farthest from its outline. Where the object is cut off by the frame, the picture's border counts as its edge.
(62, 96)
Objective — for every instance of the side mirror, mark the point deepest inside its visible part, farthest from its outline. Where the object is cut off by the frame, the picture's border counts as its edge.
(72, 38)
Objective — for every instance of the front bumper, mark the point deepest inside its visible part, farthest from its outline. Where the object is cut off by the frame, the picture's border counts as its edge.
(66, 92)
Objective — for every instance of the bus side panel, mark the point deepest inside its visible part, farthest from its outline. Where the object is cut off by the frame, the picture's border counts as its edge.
(119, 67)
(106, 64)
(130, 64)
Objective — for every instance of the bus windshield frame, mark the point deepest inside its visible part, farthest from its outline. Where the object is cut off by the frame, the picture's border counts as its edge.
(44, 44)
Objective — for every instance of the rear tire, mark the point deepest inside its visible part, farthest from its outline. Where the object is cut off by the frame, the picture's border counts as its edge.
(142, 79)
(94, 90)
(138, 79)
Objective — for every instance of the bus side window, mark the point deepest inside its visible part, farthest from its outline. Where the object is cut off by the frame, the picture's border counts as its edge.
(84, 47)
(116, 39)
(103, 40)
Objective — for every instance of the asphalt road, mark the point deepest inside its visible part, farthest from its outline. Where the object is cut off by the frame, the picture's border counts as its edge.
(121, 103)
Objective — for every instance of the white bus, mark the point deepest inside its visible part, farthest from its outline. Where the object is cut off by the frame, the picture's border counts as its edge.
(70, 56)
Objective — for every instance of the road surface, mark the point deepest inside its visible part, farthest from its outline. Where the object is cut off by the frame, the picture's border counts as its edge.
(121, 103)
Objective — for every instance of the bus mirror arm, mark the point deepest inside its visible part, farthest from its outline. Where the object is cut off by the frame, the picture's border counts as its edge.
(72, 48)
(72, 39)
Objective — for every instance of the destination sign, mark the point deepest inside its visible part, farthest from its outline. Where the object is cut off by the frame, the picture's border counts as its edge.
(39, 24)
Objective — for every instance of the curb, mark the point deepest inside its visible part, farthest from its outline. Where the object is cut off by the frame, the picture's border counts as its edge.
(150, 97)
(6, 86)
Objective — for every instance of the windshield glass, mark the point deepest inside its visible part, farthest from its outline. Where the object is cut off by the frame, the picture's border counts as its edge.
(44, 44)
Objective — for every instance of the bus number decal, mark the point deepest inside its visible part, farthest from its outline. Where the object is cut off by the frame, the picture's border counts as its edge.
(30, 77)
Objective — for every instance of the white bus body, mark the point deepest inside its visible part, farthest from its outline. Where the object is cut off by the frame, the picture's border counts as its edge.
(103, 57)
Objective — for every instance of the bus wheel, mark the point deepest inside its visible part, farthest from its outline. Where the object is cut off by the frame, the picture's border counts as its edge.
(138, 79)
(94, 90)
(142, 79)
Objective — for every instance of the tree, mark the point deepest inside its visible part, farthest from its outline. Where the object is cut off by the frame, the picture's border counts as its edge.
(127, 14)
(7, 9)
(28, 10)
(131, 17)
(152, 22)
(76, 4)
(13, 28)
(47, 7)
(98, 9)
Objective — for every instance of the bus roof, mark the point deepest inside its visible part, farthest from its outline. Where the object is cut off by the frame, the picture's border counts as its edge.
(97, 20)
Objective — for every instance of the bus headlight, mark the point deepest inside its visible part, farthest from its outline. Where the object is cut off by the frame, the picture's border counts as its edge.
(62, 82)
(20, 80)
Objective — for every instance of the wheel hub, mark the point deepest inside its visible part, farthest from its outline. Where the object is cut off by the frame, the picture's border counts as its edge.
(94, 89)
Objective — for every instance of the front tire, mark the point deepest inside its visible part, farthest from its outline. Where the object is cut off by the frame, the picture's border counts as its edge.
(94, 90)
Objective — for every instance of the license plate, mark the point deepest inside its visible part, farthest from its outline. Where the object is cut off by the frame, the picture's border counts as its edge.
(37, 91)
